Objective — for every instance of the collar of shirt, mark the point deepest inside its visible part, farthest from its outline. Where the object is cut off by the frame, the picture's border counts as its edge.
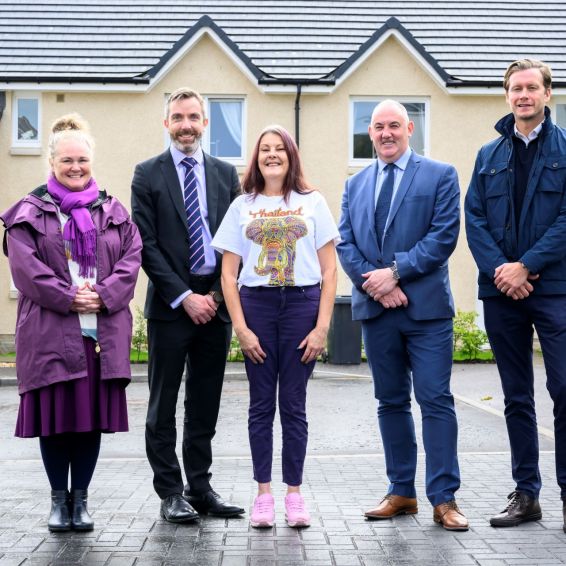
(178, 155)
(401, 162)
(533, 134)
(200, 174)
(401, 165)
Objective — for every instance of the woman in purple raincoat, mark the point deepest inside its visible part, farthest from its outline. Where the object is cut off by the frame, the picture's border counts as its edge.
(74, 255)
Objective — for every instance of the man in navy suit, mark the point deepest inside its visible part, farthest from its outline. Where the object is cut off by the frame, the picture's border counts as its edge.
(399, 225)
(516, 228)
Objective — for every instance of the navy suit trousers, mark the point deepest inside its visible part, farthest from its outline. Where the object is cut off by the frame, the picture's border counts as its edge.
(509, 325)
(404, 354)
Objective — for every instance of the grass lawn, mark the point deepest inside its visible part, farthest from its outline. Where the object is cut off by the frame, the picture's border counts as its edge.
(138, 358)
(237, 356)
(482, 356)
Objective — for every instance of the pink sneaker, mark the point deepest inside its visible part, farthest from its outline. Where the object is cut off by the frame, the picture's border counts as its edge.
(263, 513)
(295, 511)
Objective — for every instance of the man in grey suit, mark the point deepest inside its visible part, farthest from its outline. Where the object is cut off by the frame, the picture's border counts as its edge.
(178, 201)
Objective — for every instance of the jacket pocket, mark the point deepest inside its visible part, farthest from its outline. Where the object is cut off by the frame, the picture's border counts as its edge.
(553, 175)
(496, 194)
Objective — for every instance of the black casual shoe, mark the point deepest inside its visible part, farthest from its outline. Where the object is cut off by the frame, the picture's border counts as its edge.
(521, 508)
(210, 503)
(80, 517)
(176, 509)
(60, 518)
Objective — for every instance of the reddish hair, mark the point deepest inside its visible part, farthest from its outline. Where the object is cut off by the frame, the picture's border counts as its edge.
(253, 182)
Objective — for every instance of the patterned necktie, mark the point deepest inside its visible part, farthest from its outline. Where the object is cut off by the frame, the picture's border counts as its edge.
(384, 201)
(194, 221)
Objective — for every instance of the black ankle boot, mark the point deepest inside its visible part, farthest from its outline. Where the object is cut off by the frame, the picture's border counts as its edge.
(80, 518)
(60, 519)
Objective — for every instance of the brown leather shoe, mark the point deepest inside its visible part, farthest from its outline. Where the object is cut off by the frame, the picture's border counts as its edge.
(450, 517)
(391, 506)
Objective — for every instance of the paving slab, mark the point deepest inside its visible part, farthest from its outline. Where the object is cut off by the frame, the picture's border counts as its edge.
(344, 475)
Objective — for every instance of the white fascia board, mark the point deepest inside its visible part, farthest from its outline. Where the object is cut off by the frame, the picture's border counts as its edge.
(190, 44)
(490, 91)
(416, 55)
(476, 90)
(73, 87)
(292, 89)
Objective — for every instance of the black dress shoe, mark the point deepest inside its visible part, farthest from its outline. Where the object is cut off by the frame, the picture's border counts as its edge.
(176, 509)
(80, 517)
(60, 518)
(521, 508)
(210, 503)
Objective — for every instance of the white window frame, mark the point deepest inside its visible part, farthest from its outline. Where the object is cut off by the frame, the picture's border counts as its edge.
(241, 160)
(362, 162)
(558, 101)
(25, 147)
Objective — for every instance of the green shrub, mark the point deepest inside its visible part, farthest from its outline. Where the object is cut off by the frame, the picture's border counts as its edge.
(468, 338)
(139, 336)
(235, 354)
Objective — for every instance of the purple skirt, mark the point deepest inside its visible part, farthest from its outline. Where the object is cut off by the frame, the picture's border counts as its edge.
(80, 405)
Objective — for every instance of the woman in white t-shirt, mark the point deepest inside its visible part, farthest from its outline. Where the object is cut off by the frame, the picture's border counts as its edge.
(283, 235)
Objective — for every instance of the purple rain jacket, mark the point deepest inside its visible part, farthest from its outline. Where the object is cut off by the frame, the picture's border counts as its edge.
(49, 344)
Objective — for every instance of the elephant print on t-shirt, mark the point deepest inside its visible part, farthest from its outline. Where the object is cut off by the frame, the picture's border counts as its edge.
(277, 238)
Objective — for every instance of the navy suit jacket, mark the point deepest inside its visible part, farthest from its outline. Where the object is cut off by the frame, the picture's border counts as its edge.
(421, 234)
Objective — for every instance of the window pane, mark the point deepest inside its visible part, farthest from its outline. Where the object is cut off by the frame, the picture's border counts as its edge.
(561, 115)
(28, 119)
(363, 148)
(416, 112)
(225, 128)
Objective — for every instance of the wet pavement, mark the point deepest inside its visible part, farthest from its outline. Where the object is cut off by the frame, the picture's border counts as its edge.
(344, 475)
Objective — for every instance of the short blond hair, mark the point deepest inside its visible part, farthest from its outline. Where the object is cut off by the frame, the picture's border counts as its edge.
(523, 65)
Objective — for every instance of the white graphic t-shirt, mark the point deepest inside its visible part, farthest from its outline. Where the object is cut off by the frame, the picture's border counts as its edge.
(277, 241)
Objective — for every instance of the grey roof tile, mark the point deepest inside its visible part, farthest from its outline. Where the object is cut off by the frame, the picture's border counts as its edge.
(464, 40)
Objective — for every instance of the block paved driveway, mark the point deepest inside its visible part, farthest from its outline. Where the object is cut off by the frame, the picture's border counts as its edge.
(344, 475)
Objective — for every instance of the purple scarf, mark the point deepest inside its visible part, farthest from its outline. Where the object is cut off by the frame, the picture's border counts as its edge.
(79, 232)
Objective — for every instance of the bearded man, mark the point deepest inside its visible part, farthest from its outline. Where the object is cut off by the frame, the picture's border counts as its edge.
(178, 201)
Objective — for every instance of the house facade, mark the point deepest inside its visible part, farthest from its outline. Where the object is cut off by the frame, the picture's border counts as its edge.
(317, 68)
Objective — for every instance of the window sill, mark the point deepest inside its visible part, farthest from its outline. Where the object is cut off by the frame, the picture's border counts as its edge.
(13, 294)
(25, 151)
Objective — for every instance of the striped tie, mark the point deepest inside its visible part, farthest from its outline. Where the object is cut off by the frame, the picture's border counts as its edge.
(194, 220)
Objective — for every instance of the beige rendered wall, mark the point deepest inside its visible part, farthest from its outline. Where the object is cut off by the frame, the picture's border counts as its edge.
(128, 128)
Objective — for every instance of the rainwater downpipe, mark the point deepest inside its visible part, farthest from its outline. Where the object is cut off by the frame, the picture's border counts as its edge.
(298, 115)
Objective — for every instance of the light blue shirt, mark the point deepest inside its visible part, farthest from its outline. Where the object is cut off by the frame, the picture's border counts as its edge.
(209, 256)
(400, 166)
